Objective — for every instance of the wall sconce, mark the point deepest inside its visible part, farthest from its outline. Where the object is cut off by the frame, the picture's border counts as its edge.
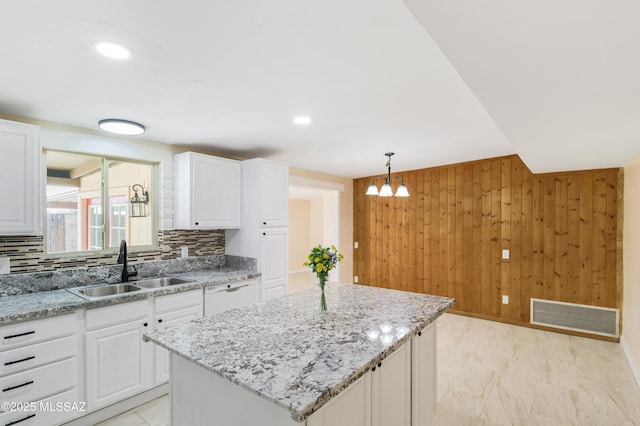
(386, 190)
(138, 203)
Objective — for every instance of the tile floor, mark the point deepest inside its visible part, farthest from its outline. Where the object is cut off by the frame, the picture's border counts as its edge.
(497, 374)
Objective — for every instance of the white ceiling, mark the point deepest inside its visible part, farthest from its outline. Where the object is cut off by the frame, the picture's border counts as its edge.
(554, 83)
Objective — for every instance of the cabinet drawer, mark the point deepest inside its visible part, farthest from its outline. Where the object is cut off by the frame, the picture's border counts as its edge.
(116, 314)
(31, 356)
(28, 332)
(54, 410)
(171, 302)
(37, 383)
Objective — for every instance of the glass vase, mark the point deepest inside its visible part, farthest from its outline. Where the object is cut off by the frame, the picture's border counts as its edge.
(322, 280)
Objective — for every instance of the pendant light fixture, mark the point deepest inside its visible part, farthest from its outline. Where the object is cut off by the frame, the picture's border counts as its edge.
(386, 190)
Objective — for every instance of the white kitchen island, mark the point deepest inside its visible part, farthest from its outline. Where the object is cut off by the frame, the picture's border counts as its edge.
(369, 360)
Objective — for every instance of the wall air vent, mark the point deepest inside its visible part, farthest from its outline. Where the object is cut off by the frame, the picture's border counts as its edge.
(571, 316)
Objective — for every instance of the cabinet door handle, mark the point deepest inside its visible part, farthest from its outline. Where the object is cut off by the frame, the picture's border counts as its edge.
(419, 333)
(264, 233)
(373, 369)
(19, 335)
(18, 386)
(379, 364)
(160, 320)
(197, 223)
(15, 422)
(145, 324)
(20, 360)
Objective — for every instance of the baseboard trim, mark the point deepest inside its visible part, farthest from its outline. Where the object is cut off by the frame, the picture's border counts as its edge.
(113, 410)
(627, 353)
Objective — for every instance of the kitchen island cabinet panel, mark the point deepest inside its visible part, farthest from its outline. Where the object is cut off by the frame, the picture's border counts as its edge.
(193, 404)
(351, 408)
(391, 389)
(424, 383)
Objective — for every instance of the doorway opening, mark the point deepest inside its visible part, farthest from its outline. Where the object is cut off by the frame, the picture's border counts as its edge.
(314, 218)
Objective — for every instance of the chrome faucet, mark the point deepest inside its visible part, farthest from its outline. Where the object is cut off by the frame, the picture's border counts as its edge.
(122, 258)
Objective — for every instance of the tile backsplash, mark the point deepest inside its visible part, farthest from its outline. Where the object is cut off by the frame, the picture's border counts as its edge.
(27, 252)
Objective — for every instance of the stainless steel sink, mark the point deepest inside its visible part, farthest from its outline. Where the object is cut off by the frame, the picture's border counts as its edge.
(104, 290)
(159, 282)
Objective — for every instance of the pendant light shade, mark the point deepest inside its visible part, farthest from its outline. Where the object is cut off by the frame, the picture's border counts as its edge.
(372, 190)
(402, 191)
(387, 190)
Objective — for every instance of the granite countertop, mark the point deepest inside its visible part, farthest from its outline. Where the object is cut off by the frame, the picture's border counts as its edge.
(289, 352)
(41, 304)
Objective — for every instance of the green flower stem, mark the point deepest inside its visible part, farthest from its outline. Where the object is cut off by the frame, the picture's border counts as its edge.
(323, 301)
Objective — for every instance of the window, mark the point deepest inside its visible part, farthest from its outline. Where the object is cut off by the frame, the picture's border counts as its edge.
(80, 188)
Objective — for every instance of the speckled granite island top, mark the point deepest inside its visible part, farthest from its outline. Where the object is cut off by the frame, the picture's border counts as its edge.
(289, 352)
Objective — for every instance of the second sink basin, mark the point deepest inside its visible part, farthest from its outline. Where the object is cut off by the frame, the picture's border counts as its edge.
(159, 282)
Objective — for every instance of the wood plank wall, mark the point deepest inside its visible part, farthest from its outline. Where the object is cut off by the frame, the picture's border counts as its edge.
(447, 237)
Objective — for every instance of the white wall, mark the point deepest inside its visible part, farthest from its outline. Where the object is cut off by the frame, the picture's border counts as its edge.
(631, 245)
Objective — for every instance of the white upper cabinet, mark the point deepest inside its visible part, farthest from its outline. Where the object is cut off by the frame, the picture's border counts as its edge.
(274, 194)
(20, 177)
(207, 192)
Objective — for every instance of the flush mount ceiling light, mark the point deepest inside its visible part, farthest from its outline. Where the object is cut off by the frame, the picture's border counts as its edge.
(386, 190)
(121, 127)
(112, 50)
(302, 120)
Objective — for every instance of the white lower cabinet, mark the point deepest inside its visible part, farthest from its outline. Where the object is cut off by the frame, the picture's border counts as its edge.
(39, 364)
(118, 363)
(381, 397)
(424, 386)
(230, 296)
(171, 310)
(399, 391)
(391, 389)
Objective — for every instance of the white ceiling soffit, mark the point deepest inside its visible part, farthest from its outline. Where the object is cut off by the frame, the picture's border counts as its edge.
(231, 75)
(560, 78)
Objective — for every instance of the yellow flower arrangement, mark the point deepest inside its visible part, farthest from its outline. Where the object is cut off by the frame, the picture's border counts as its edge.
(321, 260)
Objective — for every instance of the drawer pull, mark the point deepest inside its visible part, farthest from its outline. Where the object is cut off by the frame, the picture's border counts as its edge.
(20, 360)
(21, 420)
(16, 387)
(19, 335)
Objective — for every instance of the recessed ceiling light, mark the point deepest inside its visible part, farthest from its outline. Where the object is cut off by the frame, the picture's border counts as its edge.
(112, 50)
(302, 120)
(121, 127)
